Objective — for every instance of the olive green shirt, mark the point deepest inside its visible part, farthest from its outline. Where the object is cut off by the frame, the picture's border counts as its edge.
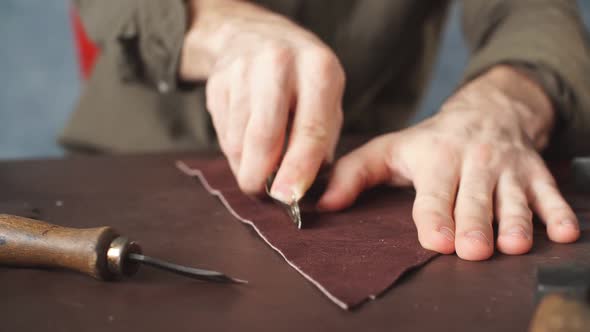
(134, 102)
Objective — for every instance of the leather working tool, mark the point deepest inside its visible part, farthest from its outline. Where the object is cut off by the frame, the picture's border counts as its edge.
(99, 252)
(297, 208)
(563, 297)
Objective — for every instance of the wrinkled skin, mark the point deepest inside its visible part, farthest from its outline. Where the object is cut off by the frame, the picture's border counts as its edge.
(474, 162)
(262, 70)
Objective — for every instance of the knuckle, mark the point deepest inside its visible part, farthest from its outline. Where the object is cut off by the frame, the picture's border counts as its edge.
(324, 57)
(213, 91)
(544, 187)
(326, 65)
(559, 210)
(431, 216)
(434, 198)
(264, 139)
(482, 154)
(443, 146)
(517, 210)
(477, 197)
(476, 188)
(365, 177)
(522, 209)
(314, 130)
(278, 55)
(516, 220)
(239, 69)
(443, 151)
(534, 161)
(472, 220)
(297, 167)
(511, 192)
(351, 165)
(513, 198)
(474, 207)
(232, 149)
(538, 172)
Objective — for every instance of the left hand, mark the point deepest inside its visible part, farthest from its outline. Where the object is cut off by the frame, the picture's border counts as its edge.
(475, 161)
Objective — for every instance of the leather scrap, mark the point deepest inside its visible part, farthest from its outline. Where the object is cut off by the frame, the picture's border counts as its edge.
(350, 256)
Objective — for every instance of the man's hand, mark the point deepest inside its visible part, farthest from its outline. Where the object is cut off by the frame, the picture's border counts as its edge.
(262, 70)
(475, 160)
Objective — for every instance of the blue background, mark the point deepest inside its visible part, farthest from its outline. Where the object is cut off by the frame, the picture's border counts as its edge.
(40, 81)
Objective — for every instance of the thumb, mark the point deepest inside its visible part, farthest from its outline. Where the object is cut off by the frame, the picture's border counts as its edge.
(362, 168)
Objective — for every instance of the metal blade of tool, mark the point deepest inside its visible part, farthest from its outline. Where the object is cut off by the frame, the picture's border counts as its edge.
(350, 256)
(296, 207)
(191, 272)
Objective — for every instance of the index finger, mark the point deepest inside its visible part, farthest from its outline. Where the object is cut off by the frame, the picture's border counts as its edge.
(316, 124)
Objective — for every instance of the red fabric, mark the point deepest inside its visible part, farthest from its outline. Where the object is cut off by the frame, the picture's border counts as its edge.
(85, 48)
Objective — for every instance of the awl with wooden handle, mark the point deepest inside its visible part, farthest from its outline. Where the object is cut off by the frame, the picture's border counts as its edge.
(99, 252)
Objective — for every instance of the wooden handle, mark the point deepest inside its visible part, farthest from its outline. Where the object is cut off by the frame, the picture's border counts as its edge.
(560, 313)
(30, 243)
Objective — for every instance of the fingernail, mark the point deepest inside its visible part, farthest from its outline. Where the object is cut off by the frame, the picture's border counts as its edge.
(569, 223)
(447, 233)
(517, 232)
(478, 236)
(298, 190)
(283, 194)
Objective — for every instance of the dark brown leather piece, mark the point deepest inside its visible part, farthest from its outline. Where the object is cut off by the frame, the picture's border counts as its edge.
(147, 199)
(350, 256)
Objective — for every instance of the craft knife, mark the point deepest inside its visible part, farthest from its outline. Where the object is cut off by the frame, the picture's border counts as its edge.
(296, 208)
(292, 208)
(99, 252)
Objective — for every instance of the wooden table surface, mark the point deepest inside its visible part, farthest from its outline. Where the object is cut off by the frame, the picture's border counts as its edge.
(172, 216)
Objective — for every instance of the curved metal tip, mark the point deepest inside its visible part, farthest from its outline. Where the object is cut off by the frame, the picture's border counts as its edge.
(239, 281)
(191, 272)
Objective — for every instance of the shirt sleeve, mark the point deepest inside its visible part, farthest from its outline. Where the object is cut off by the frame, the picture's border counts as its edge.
(546, 39)
(148, 35)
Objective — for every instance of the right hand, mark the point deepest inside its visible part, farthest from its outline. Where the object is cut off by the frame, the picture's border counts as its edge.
(260, 67)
